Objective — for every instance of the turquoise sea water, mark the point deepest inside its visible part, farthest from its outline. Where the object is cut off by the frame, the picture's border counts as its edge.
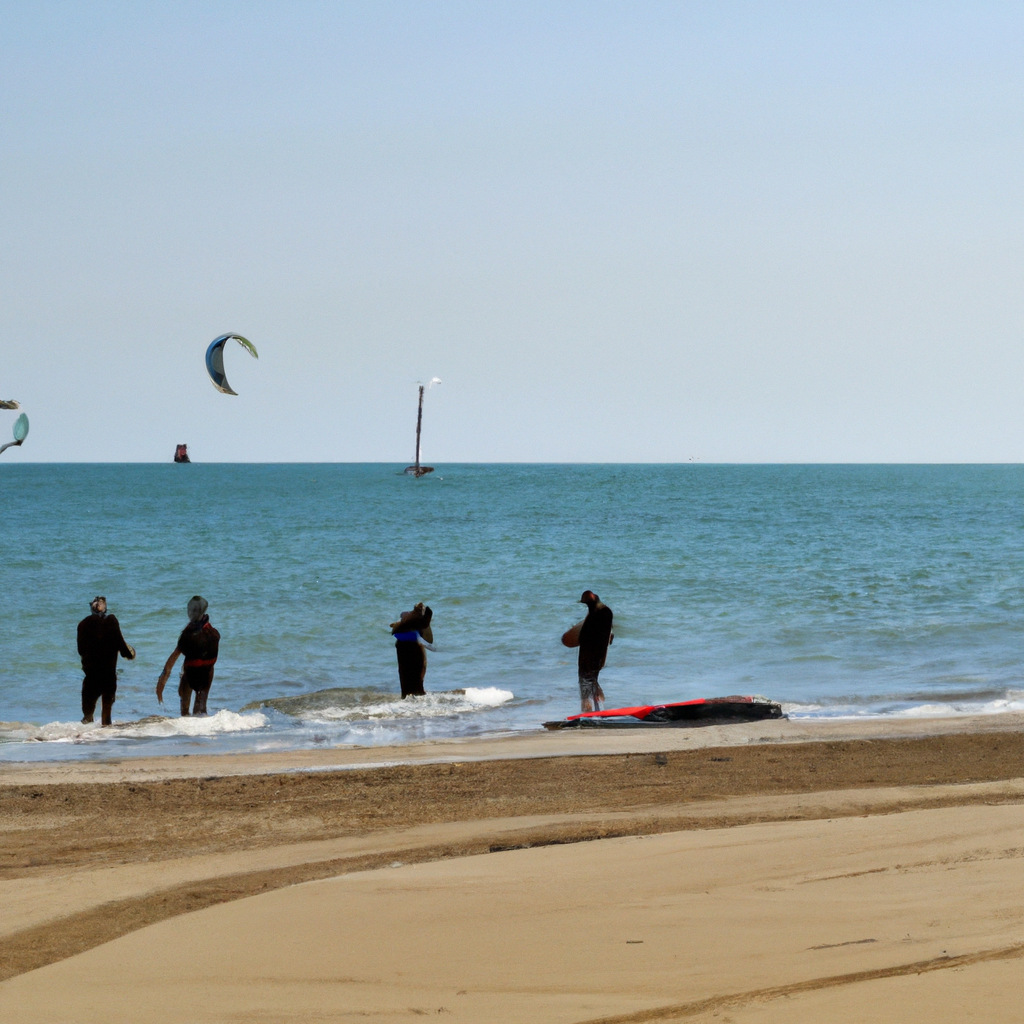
(838, 590)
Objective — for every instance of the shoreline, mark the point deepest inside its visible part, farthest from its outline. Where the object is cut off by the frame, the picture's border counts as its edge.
(538, 743)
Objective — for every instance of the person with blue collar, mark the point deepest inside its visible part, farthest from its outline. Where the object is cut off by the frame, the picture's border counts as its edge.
(412, 633)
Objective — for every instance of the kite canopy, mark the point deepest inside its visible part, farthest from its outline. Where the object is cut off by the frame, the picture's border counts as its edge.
(20, 433)
(10, 405)
(215, 360)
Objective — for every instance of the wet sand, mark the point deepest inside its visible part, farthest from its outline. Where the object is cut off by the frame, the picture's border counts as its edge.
(762, 881)
(539, 743)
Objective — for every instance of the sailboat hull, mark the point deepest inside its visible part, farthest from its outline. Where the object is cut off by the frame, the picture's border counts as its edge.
(419, 470)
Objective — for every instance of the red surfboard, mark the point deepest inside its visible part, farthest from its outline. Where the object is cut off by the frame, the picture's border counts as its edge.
(703, 711)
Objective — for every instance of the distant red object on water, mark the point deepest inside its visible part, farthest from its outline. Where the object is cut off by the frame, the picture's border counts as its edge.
(181, 453)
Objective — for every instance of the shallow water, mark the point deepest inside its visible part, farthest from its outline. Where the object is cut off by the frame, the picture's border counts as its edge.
(838, 590)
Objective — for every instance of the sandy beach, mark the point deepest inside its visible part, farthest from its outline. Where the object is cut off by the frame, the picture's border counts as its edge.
(771, 872)
(512, 513)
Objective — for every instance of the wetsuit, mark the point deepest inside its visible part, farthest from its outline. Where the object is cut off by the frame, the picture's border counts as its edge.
(99, 643)
(595, 635)
(412, 659)
(200, 644)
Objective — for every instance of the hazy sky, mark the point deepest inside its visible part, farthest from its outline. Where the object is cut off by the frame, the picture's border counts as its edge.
(617, 231)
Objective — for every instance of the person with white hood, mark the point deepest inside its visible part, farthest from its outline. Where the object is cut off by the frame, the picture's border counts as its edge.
(200, 644)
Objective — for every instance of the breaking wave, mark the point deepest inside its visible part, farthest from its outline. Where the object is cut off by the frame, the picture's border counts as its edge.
(352, 704)
(154, 727)
(1010, 701)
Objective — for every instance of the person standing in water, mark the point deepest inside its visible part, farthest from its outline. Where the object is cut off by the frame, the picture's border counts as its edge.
(99, 643)
(412, 633)
(592, 636)
(200, 643)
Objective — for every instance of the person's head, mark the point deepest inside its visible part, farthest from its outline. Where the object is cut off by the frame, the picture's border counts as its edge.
(589, 598)
(98, 605)
(197, 608)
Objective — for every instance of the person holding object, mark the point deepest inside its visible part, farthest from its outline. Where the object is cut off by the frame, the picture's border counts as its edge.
(592, 636)
(200, 643)
(99, 643)
(412, 633)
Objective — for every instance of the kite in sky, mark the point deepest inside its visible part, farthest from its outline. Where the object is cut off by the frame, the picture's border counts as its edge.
(20, 433)
(215, 360)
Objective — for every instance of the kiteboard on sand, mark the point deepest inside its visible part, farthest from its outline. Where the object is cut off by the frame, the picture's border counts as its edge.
(416, 469)
(687, 713)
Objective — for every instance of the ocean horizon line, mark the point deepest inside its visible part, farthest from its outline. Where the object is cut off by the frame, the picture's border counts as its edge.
(504, 462)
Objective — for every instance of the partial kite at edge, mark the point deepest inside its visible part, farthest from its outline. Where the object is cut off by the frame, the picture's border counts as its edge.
(215, 360)
(10, 405)
(20, 433)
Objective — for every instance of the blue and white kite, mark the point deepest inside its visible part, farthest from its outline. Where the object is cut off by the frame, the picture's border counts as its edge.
(20, 433)
(215, 360)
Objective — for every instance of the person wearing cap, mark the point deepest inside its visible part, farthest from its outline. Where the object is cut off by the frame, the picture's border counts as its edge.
(200, 644)
(592, 636)
(99, 643)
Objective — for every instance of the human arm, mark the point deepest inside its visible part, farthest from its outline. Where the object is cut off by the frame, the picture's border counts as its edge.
(125, 650)
(165, 675)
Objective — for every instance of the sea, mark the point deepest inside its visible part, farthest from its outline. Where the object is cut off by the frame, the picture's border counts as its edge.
(841, 591)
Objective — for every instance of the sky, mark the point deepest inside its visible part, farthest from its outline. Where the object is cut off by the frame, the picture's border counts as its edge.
(618, 232)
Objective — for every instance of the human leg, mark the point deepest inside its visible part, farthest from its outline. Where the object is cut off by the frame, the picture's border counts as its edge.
(89, 697)
(185, 693)
(412, 667)
(108, 703)
(197, 680)
(590, 692)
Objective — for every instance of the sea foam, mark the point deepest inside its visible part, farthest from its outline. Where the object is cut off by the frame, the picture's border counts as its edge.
(155, 727)
(431, 705)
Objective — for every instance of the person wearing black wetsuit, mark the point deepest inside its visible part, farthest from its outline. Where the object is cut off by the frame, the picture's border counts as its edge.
(592, 636)
(99, 643)
(409, 631)
(200, 644)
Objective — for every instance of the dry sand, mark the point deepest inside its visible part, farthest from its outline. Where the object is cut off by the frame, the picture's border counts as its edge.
(840, 880)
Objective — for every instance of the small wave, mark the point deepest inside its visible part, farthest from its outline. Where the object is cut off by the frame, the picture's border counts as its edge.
(334, 697)
(977, 696)
(928, 711)
(154, 727)
(788, 708)
(992, 707)
(358, 704)
(1012, 701)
